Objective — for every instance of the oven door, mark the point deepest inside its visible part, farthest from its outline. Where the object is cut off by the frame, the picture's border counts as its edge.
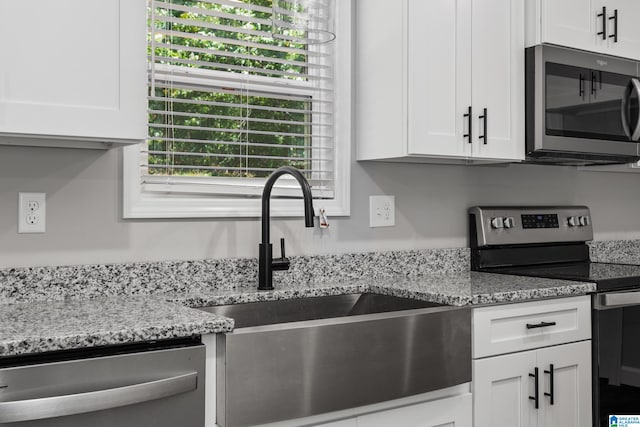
(616, 364)
(584, 103)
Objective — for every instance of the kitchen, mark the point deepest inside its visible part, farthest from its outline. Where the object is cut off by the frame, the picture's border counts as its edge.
(85, 225)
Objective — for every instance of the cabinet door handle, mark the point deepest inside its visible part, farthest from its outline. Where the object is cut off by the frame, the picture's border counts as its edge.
(603, 15)
(581, 85)
(484, 120)
(550, 394)
(594, 80)
(540, 325)
(469, 124)
(614, 36)
(535, 396)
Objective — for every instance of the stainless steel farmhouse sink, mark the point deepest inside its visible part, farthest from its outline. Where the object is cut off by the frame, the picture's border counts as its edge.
(295, 358)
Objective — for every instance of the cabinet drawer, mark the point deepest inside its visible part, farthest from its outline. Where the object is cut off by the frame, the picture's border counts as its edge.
(523, 326)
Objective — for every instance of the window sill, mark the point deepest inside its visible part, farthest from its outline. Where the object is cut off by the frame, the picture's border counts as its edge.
(141, 205)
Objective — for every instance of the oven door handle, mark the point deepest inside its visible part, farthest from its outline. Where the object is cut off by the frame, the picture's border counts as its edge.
(71, 404)
(634, 86)
(618, 299)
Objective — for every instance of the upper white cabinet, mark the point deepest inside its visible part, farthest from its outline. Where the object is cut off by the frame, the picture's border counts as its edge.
(441, 80)
(605, 26)
(73, 72)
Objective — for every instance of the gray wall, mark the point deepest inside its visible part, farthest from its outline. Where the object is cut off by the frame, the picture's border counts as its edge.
(84, 223)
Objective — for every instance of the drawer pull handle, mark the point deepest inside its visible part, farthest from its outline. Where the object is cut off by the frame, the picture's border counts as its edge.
(540, 325)
(536, 396)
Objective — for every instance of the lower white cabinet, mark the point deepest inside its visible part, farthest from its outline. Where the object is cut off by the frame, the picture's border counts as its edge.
(571, 386)
(532, 364)
(504, 388)
(447, 412)
(450, 412)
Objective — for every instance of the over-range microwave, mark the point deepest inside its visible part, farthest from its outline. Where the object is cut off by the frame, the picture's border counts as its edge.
(581, 108)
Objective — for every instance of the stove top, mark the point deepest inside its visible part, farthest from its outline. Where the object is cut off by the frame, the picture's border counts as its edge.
(606, 276)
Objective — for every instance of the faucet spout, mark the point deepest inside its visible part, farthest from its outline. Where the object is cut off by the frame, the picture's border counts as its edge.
(265, 261)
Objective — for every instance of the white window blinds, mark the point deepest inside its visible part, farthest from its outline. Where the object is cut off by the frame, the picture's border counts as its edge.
(233, 97)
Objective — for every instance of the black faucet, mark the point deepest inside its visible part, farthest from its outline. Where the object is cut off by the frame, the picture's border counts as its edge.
(266, 263)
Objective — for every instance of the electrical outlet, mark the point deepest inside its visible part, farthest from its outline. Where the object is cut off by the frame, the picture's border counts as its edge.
(31, 212)
(382, 211)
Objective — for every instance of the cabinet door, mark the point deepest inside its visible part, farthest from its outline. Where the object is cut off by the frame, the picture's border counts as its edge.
(628, 30)
(439, 77)
(571, 385)
(73, 69)
(450, 412)
(573, 23)
(501, 390)
(498, 78)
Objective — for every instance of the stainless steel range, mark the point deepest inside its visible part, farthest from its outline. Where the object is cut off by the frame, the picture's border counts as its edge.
(550, 242)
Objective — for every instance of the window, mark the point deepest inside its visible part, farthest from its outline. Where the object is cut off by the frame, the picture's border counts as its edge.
(235, 91)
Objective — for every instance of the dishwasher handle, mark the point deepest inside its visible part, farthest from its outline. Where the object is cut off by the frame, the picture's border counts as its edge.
(71, 404)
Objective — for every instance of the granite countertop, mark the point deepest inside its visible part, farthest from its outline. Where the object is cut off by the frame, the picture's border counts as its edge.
(459, 289)
(40, 326)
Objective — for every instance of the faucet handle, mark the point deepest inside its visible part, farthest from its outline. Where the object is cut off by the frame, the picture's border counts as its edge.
(281, 263)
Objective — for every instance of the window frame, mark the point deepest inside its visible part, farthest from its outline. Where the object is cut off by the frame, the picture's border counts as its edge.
(140, 204)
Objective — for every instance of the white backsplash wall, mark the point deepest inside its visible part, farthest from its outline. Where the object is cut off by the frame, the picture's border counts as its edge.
(85, 225)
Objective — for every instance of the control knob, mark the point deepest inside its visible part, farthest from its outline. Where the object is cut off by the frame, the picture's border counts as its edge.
(497, 222)
(583, 220)
(508, 222)
(573, 221)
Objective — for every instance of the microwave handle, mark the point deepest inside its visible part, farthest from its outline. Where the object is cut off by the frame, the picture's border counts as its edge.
(634, 86)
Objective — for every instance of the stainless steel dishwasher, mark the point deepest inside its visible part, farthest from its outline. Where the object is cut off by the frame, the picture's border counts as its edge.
(153, 384)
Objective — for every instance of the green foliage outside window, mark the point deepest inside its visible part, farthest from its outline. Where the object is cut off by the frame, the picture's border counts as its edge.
(220, 131)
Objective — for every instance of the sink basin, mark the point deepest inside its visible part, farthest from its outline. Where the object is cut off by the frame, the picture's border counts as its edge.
(296, 358)
(300, 309)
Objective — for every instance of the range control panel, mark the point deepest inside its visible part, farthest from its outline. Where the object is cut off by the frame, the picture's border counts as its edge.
(495, 225)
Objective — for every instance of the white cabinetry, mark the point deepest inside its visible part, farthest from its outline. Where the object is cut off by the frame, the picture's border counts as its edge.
(450, 412)
(550, 365)
(73, 73)
(423, 66)
(605, 26)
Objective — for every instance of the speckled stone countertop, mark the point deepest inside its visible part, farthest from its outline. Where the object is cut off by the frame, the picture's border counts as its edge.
(463, 288)
(41, 326)
(615, 251)
(62, 325)
(57, 308)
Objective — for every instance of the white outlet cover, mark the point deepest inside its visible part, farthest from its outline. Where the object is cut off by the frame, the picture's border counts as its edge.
(32, 212)
(382, 211)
